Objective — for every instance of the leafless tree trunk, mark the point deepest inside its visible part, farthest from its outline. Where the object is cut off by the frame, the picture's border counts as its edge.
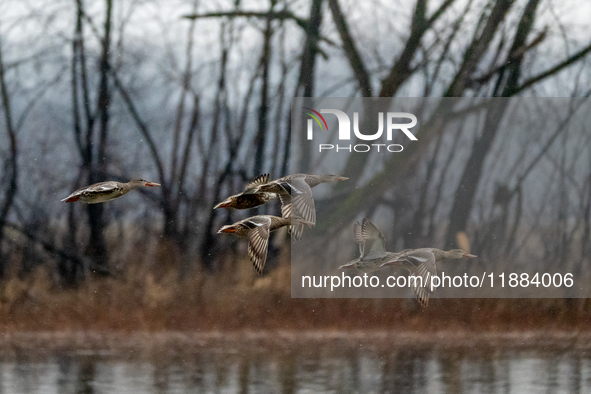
(92, 148)
(305, 86)
(11, 166)
(586, 238)
(466, 190)
(400, 72)
(350, 49)
(98, 168)
(261, 135)
(173, 191)
(174, 177)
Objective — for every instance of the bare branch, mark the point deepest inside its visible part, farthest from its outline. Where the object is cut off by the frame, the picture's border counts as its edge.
(280, 15)
(355, 60)
(141, 125)
(478, 47)
(555, 69)
(401, 69)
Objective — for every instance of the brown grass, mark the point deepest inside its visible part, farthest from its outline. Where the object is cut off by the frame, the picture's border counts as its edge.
(142, 301)
(151, 297)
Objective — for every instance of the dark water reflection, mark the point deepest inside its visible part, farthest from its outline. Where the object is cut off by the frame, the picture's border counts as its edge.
(296, 364)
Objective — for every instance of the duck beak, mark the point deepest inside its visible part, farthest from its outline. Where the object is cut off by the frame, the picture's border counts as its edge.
(227, 229)
(71, 199)
(341, 178)
(223, 204)
(471, 256)
(151, 184)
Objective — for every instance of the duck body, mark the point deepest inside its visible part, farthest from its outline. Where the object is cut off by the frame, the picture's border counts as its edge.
(295, 193)
(249, 198)
(106, 191)
(372, 249)
(245, 200)
(243, 227)
(418, 262)
(370, 265)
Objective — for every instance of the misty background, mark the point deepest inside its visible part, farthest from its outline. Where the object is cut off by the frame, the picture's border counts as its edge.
(196, 96)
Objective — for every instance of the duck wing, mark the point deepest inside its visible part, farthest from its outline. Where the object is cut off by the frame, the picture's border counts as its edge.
(285, 199)
(420, 264)
(421, 294)
(94, 189)
(302, 201)
(424, 261)
(296, 200)
(258, 242)
(373, 244)
(296, 229)
(358, 237)
(101, 187)
(256, 182)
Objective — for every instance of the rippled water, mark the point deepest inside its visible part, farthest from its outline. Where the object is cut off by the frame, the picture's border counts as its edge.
(296, 363)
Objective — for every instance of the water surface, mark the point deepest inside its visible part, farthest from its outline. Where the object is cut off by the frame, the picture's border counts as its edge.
(309, 362)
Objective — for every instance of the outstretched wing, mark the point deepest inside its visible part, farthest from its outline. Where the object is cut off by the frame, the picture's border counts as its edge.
(296, 200)
(374, 242)
(358, 237)
(421, 267)
(302, 202)
(421, 293)
(296, 229)
(259, 180)
(258, 244)
(285, 199)
(424, 261)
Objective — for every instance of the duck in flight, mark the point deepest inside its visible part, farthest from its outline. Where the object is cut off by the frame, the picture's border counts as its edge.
(295, 193)
(372, 248)
(105, 191)
(418, 262)
(257, 230)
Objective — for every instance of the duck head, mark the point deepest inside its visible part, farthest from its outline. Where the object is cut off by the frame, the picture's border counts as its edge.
(332, 177)
(457, 254)
(138, 182)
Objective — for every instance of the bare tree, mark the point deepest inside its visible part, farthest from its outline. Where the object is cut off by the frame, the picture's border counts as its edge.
(505, 80)
(509, 75)
(11, 164)
(91, 138)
